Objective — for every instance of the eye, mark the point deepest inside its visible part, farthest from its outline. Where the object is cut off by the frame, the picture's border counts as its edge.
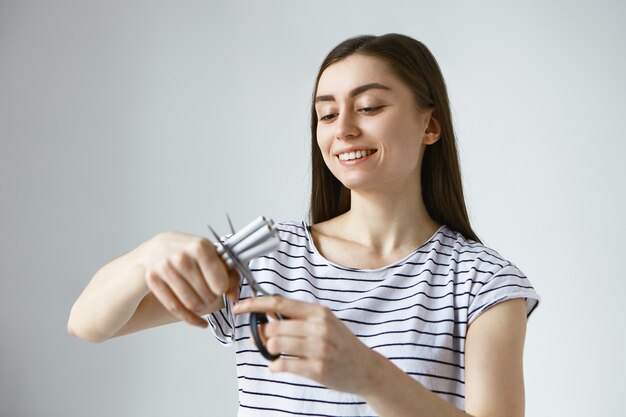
(328, 117)
(370, 109)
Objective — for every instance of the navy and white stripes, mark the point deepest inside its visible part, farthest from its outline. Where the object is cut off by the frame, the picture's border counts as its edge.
(415, 312)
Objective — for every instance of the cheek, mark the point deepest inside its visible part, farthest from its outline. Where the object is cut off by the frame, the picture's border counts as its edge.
(407, 136)
(324, 141)
(324, 151)
(403, 146)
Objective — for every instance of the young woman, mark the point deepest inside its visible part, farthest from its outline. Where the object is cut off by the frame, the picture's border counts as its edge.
(395, 307)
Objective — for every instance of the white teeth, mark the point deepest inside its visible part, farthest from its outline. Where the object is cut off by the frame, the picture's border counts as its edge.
(347, 156)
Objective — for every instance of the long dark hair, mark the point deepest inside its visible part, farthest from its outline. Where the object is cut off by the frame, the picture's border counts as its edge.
(442, 190)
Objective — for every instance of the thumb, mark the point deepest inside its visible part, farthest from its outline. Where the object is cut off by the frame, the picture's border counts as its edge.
(234, 281)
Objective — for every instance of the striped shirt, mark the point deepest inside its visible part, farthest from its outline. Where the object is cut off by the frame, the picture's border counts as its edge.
(415, 312)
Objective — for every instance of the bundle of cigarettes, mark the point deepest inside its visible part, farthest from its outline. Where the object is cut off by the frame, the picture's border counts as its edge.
(256, 239)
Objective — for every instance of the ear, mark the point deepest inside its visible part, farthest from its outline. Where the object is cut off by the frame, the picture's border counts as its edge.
(432, 133)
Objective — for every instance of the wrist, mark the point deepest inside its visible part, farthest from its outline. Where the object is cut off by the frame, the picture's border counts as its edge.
(132, 268)
(377, 370)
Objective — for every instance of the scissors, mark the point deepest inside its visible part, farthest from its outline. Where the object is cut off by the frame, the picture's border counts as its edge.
(256, 318)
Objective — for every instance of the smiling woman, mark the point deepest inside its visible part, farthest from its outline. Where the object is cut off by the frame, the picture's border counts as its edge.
(394, 304)
(395, 307)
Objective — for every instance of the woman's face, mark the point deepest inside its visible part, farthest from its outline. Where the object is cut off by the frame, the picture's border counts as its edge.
(370, 130)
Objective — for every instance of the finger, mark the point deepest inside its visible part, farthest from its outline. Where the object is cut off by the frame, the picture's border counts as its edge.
(181, 288)
(275, 304)
(308, 368)
(187, 267)
(292, 327)
(168, 299)
(290, 345)
(212, 267)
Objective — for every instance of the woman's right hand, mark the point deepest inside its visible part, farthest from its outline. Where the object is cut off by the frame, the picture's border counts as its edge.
(173, 276)
(187, 275)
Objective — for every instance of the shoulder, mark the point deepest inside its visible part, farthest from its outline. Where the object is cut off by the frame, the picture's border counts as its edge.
(294, 238)
(448, 243)
(295, 232)
(494, 278)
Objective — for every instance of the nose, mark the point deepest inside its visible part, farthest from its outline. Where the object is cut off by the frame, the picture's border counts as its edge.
(346, 126)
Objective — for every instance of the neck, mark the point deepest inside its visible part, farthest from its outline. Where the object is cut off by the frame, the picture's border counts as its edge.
(388, 220)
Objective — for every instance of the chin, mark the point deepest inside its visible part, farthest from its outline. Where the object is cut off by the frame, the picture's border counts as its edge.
(357, 185)
(350, 183)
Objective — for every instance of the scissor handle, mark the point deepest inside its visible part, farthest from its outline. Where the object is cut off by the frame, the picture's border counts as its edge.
(256, 319)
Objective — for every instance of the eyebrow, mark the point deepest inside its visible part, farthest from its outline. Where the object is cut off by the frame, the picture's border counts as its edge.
(355, 92)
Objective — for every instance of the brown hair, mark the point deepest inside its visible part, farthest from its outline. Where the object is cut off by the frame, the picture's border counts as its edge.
(442, 190)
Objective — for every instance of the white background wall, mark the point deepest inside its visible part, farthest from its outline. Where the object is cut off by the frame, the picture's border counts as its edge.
(120, 119)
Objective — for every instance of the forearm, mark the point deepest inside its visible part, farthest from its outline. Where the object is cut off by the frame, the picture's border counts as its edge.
(393, 393)
(110, 299)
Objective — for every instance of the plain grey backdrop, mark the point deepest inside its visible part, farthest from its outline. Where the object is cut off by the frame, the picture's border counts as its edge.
(121, 119)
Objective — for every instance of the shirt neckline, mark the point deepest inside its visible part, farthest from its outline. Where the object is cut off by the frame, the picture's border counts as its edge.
(311, 242)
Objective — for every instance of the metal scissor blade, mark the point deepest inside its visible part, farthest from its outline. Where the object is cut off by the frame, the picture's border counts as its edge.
(230, 224)
(215, 235)
(245, 271)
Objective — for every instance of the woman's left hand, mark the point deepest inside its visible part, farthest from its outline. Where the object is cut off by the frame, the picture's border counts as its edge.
(325, 350)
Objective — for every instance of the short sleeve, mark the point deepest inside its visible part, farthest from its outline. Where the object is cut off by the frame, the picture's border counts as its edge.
(506, 284)
(222, 323)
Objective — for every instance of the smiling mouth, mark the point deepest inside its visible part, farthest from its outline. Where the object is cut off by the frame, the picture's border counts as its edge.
(350, 156)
